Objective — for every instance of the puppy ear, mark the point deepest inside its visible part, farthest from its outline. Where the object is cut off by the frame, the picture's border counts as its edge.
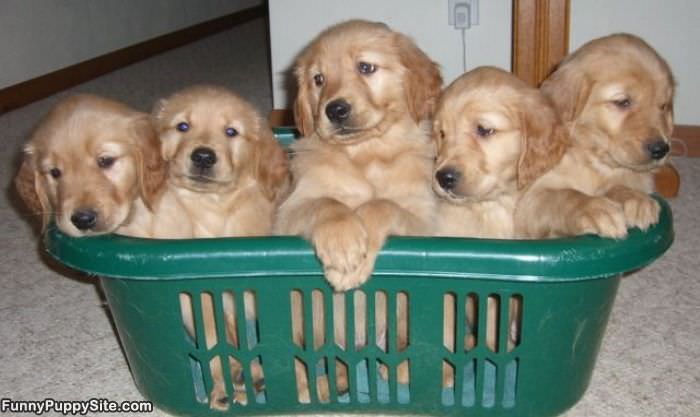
(151, 166)
(31, 190)
(544, 141)
(303, 116)
(569, 89)
(422, 79)
(437, 135)
(271, 165)
(158, 108)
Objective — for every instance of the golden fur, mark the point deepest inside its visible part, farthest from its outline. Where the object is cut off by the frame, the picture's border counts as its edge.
(495, 135)
(615, 95)
(236, 195)
(361, 179)
(104, 159)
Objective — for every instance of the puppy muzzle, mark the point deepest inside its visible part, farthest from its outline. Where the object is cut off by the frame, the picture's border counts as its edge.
(657, 149)
(84, 219)
(448, 178)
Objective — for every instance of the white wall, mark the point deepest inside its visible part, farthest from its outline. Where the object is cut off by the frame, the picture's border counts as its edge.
(669, 26)
(40, 36)
(294, 23)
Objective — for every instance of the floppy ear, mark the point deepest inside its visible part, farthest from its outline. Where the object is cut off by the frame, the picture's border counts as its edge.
(31, 191)
(569, 89)
(271, 165)
(544, 141)
(166, 150)
(437, 135)
(303, 116)
(422, 79)
(151, 166)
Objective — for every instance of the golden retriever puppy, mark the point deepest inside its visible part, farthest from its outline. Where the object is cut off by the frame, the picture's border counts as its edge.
(225, 175)
(363, 169)
(615, 95)
(225, 168)
(94, 164)
(495, 135)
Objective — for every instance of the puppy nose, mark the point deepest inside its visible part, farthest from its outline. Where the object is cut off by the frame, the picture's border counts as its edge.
(447, 178)
(658, 149)
(338, 110)
(203, 157)
(84, 219)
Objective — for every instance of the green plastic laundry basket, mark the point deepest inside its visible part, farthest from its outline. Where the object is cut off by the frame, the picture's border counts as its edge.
(565, 289)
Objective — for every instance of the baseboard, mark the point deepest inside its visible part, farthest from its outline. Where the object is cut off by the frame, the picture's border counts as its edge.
(21, 94)
(690, 136)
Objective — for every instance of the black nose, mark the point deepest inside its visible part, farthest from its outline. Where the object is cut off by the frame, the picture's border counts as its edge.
(84, 219)
(203, 157)
(447, 178)
(338, 110)
(658, 149)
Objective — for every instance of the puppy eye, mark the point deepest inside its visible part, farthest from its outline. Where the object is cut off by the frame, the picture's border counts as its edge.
(366, 68)
(442, 134)
(55, 172)
(484, 132)
(105, 162)
(624, 103)
(231, 132)
(183, 126)
(319, 79)
(665, 107)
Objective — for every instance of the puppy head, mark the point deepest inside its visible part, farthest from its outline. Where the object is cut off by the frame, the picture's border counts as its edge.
(211, 137)
(616, 95)
(494, 135)
(86, 162)
(358, 78)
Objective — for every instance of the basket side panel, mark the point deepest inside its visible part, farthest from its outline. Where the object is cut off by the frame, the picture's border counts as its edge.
(545, 372)
(148, 321)
(563, 328)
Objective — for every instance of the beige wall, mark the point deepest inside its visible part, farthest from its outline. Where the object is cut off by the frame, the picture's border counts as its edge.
(669, 26)
(292, 27)
(40, 36)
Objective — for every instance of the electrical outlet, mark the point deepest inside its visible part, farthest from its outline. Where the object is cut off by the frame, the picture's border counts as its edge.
(462, 14)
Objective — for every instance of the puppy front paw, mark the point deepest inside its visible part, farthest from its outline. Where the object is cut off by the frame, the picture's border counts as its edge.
(218, 400)
(600, 216)
(641, 210)
(344, 281)
(341, 245)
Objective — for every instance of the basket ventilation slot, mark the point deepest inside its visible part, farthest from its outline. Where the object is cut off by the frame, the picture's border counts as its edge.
(487, 329)
(375, 323)
(218, 326)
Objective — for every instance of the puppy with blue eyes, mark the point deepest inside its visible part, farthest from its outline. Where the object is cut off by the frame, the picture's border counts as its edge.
(225, 175)
(225, 170)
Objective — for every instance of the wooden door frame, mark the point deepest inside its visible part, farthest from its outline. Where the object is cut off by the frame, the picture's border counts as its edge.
(540, 37)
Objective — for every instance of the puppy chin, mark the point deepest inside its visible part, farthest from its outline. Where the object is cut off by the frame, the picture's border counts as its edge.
(350, 133)
(449, 196)
(341, 135)
(463, 197)
(200, 183)
(67, 227)
(641, 164)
